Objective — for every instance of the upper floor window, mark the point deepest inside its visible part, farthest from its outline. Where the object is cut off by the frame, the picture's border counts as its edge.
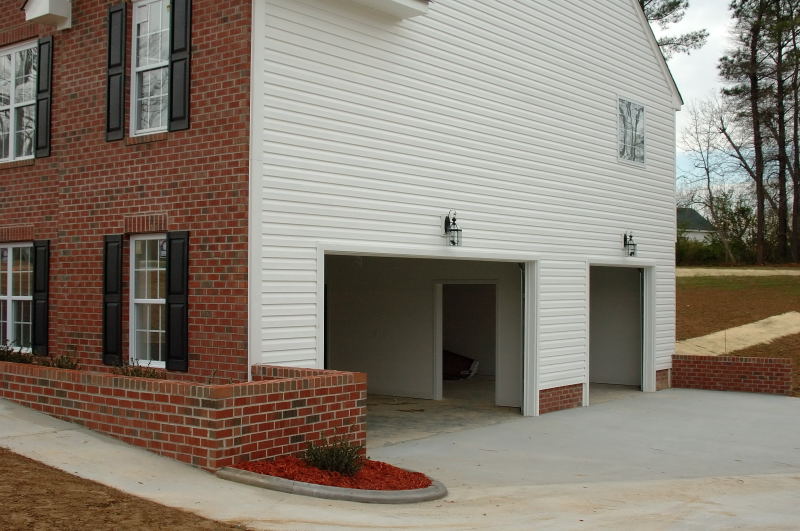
(18, 66)
(630, 131)
(150, 76)
(16, 294)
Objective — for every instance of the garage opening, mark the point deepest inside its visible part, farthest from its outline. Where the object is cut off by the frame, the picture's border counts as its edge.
(404, 320)
(615, 332)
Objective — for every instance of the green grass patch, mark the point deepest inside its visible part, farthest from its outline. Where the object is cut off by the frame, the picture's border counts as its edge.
(788, 285)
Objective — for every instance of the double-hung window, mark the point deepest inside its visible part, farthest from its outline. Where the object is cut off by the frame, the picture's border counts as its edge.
(151, 51)
(148, 299)
(16, 294)
(18, 66)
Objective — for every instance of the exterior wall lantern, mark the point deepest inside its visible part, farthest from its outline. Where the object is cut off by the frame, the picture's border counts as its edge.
(452, 232)
(628, 244)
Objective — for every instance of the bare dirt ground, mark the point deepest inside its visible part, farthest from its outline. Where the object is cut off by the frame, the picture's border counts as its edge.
(710, 304)
(34, 496)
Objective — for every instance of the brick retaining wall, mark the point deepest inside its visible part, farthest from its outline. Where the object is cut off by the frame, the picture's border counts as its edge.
(730, 373)
(209, 426)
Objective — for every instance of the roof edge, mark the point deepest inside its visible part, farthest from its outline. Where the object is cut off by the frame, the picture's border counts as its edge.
(669, 78)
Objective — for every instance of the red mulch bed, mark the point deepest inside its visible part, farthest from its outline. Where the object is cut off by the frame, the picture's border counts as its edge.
(374, 475)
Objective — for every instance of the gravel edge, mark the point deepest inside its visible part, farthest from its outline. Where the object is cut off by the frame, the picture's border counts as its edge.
(436, 490)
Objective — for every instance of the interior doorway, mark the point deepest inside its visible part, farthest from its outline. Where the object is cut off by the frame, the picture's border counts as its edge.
(615, 331)
(469, 342)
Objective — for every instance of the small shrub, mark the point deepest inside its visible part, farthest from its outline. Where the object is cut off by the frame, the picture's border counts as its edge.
(337, 456)
(9, 352)
(140, 371)
(60, 362)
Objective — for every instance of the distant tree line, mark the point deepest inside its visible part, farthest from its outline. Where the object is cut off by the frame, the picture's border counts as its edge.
(745, 143)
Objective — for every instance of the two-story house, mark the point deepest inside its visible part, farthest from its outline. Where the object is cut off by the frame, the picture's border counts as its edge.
(344, 184)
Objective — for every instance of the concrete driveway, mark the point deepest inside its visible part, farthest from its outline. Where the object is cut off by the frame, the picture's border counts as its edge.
(678, 459)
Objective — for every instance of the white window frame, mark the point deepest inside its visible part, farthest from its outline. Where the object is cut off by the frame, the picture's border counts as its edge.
(134, 301)
(644, 132)
(136, 70)
(13, 105)
(9, 298)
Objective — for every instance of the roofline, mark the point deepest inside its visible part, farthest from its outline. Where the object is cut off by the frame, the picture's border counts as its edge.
(678, 99)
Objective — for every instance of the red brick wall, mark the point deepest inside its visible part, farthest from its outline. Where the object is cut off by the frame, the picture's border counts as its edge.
(663, 379)
(195, 180)
(209, 426)
(559, 398)
(729, 373)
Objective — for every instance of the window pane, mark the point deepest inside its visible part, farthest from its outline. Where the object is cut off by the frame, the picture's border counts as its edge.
(140, 291)
(25, 126)
(156, 346)
(5, 80)
(151, 101)
(5, 134)
(139, 257)
(22, 323)
(149, 332)
(3, 271)
(3, 322)
(21, 272)
(25, 75)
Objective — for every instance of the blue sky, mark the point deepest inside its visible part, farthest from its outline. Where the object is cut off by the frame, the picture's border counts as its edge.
(696, 74)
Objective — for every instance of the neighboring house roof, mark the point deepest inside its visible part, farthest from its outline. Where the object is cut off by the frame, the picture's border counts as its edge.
(691, 219)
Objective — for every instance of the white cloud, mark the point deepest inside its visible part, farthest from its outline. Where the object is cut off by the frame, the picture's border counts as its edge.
(697, 74)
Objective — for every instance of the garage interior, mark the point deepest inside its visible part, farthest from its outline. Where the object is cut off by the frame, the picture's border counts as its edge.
(398, 320)
(615, 332)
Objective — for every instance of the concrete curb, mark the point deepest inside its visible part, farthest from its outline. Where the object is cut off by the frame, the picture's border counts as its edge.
(434, 492)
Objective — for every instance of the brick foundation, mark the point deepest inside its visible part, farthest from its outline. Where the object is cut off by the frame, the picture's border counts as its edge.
(663, 379)
(209, 426)
(559, 398)
(729, 373)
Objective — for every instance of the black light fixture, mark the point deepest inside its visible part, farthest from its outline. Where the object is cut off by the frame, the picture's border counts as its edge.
(628, 244)
(452, 231)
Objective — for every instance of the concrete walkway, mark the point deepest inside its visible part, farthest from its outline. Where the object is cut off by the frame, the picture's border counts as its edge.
(735, 272)
(740, 337)
(677, 459)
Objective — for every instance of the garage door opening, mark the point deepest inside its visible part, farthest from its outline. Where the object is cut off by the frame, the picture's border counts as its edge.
(394, 318)
(615, 332)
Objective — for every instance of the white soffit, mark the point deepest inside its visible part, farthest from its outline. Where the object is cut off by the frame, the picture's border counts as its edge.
(49, 12)
(397, 8)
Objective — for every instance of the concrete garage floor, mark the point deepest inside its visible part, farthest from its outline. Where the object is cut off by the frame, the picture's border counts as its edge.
(677, 459)
(467, 404)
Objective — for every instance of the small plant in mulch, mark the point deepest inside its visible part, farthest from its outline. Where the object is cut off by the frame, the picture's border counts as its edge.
(339, 463)
(140, 371)
(339, 455)
(373, 475)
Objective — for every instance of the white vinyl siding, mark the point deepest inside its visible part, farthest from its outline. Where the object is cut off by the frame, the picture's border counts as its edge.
(368, 129)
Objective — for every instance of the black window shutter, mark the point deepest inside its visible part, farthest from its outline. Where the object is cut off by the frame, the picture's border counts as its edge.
(115, 76)
(178, 301)
(180, 48)
(112, 300)
(44, 74)
(41, 280)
